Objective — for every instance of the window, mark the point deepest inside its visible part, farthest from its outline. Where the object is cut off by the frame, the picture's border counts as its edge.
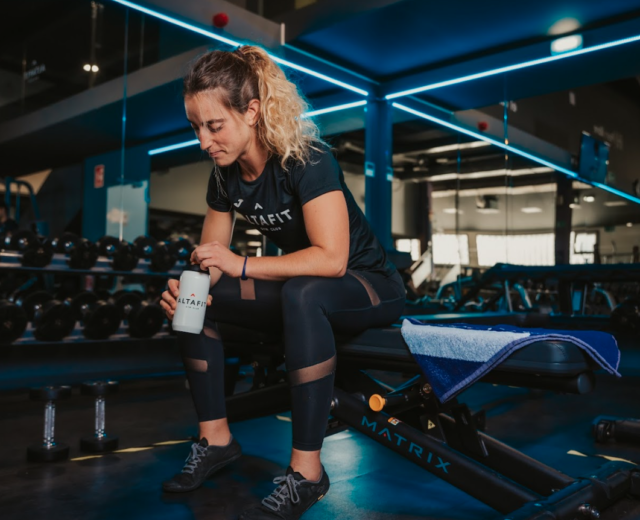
(450, 249)
(583, 247)
(409, 245)
(516, 249)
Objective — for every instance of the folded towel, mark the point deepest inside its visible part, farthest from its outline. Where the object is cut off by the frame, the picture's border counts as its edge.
(453, 357)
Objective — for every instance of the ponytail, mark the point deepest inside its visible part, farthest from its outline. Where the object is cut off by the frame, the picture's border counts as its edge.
(249, 73)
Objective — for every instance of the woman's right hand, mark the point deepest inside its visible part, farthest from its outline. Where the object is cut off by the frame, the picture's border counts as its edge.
(169, 297)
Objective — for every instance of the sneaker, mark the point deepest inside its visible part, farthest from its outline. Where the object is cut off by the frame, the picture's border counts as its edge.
(291, 499)
(202, 462)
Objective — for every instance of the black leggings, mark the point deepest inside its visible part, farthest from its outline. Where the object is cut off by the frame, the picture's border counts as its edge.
(307, 310)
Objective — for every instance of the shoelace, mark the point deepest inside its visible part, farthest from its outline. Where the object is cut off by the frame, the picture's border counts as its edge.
(193, 459)
(288, 488)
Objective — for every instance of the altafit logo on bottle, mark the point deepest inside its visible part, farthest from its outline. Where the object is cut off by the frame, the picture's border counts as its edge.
(192, 302)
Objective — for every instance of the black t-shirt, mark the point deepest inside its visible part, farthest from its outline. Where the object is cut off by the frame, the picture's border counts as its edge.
(273, 204)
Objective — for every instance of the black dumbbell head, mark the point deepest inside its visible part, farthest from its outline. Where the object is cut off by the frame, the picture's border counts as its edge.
(65, 243)
(84, 255)
(144, 246)
(21, 240)
(126, 301)
(107, 245)
(99, 388)
(181, 248)
(49, 393)
(53, 321)
(125, 258)
(81, 302)
(31, 300)
(37, 255)
(13, 322)
(162, 258)
(102, 321)
(146, 320)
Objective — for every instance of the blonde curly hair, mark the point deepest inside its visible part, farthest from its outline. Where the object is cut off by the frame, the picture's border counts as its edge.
(249, 73)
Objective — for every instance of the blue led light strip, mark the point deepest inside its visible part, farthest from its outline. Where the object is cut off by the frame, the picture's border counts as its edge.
(233, 43)
(516, 151)
(328, 110)
(173, 147)
(313, 113)
(517, 66)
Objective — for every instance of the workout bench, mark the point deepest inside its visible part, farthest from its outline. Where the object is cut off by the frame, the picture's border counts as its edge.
(446, 440)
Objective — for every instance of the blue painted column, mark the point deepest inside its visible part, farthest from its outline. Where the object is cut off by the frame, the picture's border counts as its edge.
(378, 169)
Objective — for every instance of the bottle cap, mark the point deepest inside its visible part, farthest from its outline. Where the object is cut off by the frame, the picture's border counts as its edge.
(195, 268)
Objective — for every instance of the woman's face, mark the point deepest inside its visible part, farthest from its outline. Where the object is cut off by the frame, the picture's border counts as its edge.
(224, 134)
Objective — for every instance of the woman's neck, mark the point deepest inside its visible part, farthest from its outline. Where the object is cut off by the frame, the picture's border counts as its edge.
(253, 161)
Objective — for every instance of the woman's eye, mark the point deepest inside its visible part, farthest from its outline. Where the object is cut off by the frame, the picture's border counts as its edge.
(215, 129)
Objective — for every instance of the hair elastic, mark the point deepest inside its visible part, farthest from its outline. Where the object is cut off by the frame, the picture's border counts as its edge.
(244, 267)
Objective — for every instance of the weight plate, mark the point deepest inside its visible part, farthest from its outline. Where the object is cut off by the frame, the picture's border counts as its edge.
(144, 246)
(125, 258)
(30, 301)
(65, 243)
(146, 320)
(126, 301)
(82, 302)
(50, 393)
(53, 321)
(84, 255)
(23, 240)
(181, 248)
(162, 258)
(13, 322)
(99, 388)
(102, 321)
(107, 245)
(38, 254)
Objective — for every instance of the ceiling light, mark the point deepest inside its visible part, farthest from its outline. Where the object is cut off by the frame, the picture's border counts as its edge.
(531, 209)
(334, 109)
(461, 146)
(614, 203)
(589, 198)
(87, 67)
(488, 211)
(574, 205)
(254, 244)
(252, 232)
(566, 44)
(566, 25)
(629, 224)
(487, 174)
(94, 68)
(518, 151)
(452, 211)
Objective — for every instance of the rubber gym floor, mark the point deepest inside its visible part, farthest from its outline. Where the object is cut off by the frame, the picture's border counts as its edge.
(154, 419)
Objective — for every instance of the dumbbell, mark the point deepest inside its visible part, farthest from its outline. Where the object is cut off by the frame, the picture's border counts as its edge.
(99, 441)
(181, 248)
(123, 255)
(625, 317)
(49, 450)
(51, 318)
(36, 251)
(100, 319)
(13, 322)
(160, 256)
(144, 319)
(82, 253)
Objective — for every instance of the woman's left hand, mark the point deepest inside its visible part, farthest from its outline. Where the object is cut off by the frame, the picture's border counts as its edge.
(215, 254)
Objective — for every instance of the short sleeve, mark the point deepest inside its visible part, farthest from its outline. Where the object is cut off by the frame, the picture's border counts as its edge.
(320, 175)
(217, 197)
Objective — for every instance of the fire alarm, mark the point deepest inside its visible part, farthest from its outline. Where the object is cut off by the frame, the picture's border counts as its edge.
(220, 20)
(483, 126)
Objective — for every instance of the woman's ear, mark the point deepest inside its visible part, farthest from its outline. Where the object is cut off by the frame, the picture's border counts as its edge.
(252, 115)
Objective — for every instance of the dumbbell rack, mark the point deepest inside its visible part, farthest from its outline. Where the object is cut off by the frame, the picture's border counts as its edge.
(11, 261)
(28, 362)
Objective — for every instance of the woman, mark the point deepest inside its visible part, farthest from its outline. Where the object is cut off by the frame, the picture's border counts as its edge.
(272, 168)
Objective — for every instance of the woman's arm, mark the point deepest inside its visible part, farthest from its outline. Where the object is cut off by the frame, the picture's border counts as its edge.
(326, 219)
(217, 227)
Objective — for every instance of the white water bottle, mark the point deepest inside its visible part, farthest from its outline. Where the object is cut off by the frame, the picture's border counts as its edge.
(192, 300)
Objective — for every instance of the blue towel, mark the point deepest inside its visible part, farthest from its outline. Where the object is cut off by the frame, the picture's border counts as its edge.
(453, 357)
